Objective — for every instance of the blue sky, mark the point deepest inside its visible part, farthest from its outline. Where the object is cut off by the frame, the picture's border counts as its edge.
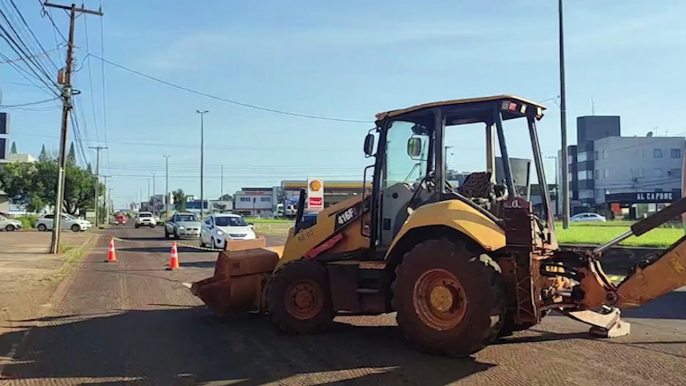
(347, 59)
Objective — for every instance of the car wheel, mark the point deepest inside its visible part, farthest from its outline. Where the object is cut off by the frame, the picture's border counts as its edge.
(42, 228)
(10, 228)
(152, 226)
(137, 226)
(75, 228)
(176, 235)
(213, 243)
(166, 233)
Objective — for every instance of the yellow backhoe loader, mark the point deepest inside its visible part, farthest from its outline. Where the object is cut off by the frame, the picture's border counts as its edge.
(460, 266)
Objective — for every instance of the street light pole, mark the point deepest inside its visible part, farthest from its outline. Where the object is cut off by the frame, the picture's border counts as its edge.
(557, 187)
(202, 155)
(166, 182)
(563, 124)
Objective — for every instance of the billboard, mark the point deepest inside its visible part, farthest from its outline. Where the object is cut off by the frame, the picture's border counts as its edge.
(315, 194)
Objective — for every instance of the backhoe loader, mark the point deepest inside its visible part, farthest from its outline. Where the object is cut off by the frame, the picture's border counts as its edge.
(460, 266)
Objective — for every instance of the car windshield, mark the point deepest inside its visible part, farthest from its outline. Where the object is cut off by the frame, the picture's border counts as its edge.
(186, 218)
(144, 215)
(230, 222)
(68, 217)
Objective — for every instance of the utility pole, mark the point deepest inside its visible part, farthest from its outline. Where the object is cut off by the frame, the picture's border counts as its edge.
(557, 187)
(166, 182)
(563, 124)
(153, 184)
(105, 201)
(148, 189)
(97, 183)
(221, 183)
(64, 78)
(202, 155)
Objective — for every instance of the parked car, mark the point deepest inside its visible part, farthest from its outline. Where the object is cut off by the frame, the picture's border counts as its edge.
(182, 225)
(7, 224)
(588, 217)
(217, 228)
(119, 218)
(145, 219)
(45, 223)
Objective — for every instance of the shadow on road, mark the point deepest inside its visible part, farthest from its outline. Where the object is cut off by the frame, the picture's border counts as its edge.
(189, 346)
(199, 264)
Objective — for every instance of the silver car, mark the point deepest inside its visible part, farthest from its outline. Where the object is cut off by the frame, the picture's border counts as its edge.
(182, 225)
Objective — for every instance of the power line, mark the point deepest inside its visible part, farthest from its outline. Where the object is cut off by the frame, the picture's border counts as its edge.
(34, 56)
(104, 89)
(26, 52)
(32, 34)
(48, 13)
(90, 78)
(30, 103)
(237, 103)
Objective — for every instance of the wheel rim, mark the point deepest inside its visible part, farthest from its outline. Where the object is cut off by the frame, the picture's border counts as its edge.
(439, 299)
(304, 299)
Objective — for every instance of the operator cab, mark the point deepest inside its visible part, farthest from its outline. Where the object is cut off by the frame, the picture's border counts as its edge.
(410, 172)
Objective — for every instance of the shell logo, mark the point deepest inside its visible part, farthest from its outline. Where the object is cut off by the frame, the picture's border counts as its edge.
(315, 185)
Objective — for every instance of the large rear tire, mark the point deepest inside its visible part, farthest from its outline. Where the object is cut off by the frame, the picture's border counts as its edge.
(299, 298)
(449, 300)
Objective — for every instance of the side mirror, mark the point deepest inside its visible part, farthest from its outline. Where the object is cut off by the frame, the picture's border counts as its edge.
(369, 145)
(414, 147)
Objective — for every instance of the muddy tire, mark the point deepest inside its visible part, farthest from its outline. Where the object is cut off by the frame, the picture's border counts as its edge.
(299, 298)
(449, 300)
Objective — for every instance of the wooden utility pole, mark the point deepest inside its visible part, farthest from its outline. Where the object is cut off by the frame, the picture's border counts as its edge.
(64, 78)
(106, 201)
(97, 184)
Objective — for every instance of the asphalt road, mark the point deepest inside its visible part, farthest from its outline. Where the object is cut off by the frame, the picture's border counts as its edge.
(132, 322)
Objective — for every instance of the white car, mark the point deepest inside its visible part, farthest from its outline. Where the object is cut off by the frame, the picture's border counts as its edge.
(145, 219)
(9, 225)
(588, 217)
(217, 228)
(45, 223)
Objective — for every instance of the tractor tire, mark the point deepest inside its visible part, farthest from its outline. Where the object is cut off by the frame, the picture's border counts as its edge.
(299, 298)
(449, 300)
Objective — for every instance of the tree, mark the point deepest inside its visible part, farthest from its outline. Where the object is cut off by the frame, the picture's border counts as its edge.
(179, 200)
(13, 149)
(43, 155)
(34, 185)
(71, 157)
(89, 169)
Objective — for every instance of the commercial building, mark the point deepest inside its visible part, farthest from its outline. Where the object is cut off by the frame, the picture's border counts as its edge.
(256, 201)
(334, 191)
(615, 175)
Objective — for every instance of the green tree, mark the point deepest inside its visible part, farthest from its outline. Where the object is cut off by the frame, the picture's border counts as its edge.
(71, 157)
(179, 200)
(43, 155)
(13, 149)
(89, 169)
(34, 185)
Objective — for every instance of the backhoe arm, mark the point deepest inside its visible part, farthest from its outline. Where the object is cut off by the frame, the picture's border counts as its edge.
(648, 280)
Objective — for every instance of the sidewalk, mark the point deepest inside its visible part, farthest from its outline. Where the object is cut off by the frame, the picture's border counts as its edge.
(29, 275)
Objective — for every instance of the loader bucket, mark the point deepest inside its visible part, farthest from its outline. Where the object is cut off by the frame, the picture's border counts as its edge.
(238, 277)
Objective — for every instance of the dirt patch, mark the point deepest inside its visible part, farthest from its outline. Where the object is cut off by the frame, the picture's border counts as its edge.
(29, 275)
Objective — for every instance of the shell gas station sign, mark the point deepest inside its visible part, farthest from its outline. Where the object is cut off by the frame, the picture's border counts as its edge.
(315, 195)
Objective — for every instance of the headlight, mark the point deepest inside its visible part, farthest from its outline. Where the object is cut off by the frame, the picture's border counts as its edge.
(181, 228)
(220, 233)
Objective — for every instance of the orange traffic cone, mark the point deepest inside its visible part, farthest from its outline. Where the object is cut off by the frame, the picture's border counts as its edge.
(111, 254)
(174, 259)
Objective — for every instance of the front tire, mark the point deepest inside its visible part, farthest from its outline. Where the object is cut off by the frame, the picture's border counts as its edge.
(166, 233)
(137, 226)
(299, 298)
(10, 228)
(449, 300)
(42, 228)
(75, 228)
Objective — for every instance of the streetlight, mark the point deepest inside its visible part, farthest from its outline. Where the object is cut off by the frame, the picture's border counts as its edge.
(202, 155)
(563, 123)
(166, 182)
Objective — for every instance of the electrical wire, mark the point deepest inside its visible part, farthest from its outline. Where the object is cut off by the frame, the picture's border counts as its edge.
(48, 13)
(29, 103)
(90, 78)
(233, 102)
(104, 88)
(35, 56)
(33, 34)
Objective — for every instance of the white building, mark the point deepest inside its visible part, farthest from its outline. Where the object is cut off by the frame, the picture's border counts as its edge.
(256, 201)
